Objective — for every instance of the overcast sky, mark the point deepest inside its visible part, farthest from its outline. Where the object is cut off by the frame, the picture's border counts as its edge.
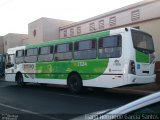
(16, 14)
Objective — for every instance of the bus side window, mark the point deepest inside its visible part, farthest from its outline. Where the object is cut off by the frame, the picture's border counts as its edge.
(19, 56)
(31, 55)
(9, 61)
(85, 49)
(110, 47)
(45, 54)
(63, 52)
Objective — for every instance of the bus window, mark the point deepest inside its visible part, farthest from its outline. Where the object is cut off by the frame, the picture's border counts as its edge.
(142, 41)
(19, 56)
(9, 60)
(31, 55)
(85, 50)
(63, 52)
(110, 47)
(45, 54)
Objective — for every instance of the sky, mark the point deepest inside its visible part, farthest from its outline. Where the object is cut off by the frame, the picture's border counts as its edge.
(16, 14)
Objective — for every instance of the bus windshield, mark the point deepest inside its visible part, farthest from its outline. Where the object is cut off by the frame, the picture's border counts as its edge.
(142, 41)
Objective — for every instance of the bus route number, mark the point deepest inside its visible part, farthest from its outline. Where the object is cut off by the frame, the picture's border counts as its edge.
(82, 64)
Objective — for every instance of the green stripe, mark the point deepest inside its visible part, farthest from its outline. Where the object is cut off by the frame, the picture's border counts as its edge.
(142, 57)
(82, 66)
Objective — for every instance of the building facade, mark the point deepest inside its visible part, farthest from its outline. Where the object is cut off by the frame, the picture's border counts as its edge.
(45, 29)
(13, 40)
(41, 30)
(143, 15)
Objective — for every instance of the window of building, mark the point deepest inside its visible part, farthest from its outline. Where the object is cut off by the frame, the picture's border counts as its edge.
(110, 47)
(63, 51)
(78, 30)
(85, 49)
(72, 32)
(65, 33)
(101, 24)
(112, 21)
(34, 33)
(135, 15)
(5, 42)
(92, 27)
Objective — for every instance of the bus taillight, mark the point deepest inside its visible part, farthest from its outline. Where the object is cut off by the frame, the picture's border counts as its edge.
(132, 67)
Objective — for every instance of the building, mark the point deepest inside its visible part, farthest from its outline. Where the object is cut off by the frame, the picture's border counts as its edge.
(41, 30)
(45, 29)
(13, 40)
(142, 15)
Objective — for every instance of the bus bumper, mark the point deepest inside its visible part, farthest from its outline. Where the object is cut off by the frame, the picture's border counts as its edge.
(134, 79)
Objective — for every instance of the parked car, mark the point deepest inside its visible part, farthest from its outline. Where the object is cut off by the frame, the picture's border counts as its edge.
(145, 108)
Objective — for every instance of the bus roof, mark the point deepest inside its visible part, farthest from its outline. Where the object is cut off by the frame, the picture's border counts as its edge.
(78, 38)
(13, 50)
(71, 39)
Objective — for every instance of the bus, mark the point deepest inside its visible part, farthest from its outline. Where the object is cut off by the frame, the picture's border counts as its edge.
(10, 65)
(2, 65)
(107, 59)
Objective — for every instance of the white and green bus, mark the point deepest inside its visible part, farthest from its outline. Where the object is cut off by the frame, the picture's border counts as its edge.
(108, 59)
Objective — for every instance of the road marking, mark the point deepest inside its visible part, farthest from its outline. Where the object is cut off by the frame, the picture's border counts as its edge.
(29, 112)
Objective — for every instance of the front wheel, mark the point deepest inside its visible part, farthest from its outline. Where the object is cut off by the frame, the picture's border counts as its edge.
(75, 83)
(19, 80)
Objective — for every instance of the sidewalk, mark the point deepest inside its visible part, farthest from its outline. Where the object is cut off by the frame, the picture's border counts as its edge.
(142, 89)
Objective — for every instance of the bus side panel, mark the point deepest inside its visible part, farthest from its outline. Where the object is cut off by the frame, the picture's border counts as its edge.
(9, 74)
(88, 69)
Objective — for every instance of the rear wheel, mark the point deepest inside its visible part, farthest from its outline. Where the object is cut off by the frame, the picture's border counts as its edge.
(74, 83)
(19, 80)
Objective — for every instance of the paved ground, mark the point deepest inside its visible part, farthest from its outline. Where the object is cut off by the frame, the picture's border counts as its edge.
(46, 103)
(141, 89)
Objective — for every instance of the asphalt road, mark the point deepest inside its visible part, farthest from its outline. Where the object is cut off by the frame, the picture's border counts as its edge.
(35, 102)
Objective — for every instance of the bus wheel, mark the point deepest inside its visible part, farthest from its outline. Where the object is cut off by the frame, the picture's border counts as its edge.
(19, 80)
(74, 83)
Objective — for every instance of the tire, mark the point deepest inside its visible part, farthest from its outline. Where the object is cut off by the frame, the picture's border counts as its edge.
(19, 80)
(74, 83)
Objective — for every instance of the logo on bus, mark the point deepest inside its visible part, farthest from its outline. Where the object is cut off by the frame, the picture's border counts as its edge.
(82, 64)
